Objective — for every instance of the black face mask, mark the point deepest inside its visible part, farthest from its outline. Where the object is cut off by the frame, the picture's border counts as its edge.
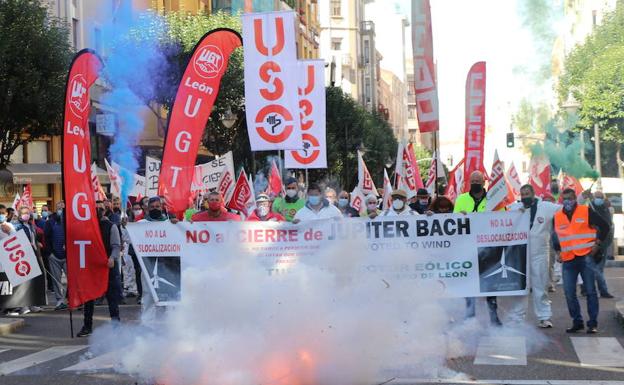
(155, 214)
(100, 213)
(475, 188)
(527, 202)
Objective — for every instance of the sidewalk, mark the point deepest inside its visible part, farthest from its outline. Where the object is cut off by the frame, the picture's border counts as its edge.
(10, 325)
(617, 262)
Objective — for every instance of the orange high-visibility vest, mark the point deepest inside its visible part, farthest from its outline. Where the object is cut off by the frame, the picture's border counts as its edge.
(576, 237)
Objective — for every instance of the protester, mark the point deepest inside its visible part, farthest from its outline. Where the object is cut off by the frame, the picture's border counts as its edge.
(10, 215)
(263, 211)
(554, 190)
(330, 195)
(372, 210)
(577, 235)
(136, 214)
(6, 228)
(541, 216)
(114, 213)
(54, 231)
(422, 201)
(291, 203)
(601, 206)
(343, 204)
(214, 211)
(316, 207)
(399, 205)
(470, 202)
(155, 212)
(40, 221)
(441, 205)
(128, 276)
(111, 238)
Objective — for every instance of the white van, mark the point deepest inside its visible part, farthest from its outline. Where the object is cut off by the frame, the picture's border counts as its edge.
(613, 188)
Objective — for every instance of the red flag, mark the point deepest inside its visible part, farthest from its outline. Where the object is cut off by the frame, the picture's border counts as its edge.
(226, 185)
(242, 196)
(194, 100)
(26, 200)
(87, 261)
(455, 183)
(365, 180)
(387, 196)
(407, 171)
(424, 68)
(539, 175)
(514, 180)
(276, 187)
(499, 193)
(17, 202)
(568, 181)
(475, 122)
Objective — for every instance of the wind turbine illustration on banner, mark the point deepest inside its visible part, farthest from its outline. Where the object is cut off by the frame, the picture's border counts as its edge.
(156, 280)
(503, 269)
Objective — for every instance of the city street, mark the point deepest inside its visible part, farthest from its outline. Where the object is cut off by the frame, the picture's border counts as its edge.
(43, 353)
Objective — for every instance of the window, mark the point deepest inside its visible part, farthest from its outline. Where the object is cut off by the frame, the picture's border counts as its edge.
(411, 112)
(18, 155)
(37, 152)
(75, 32)
(367, 92)
(594, 18)
(336, 7)
(366, 51)
(336, 44)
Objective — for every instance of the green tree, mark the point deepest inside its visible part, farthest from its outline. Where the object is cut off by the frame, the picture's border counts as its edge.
(34, 56)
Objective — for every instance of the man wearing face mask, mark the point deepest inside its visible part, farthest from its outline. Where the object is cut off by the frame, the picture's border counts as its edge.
(372, 210)
(316, 207)
(213, 210)
(330, 195)
(155, 212)
(599, 205)
(111, 238)
(422, 201)
(541, 216)
(54, 232)
(578, 232)
(41, 220)
(263, 212)
(289, 205)
(475, 201)
(344, 206)
(6, 228)
(399, 205)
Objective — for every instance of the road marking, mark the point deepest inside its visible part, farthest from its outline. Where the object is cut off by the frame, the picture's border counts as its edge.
(4, 350)
(105, 361)
(38, 358)
(501, 351)
(599, 351)
(503, 382)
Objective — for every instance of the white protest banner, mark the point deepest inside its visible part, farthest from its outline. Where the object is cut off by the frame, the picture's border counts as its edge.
(152, 171)
(271, 80)
(312, 112)
(114, 177)
(138, 187)
(207, 175)
(18, 258)
(479, 254)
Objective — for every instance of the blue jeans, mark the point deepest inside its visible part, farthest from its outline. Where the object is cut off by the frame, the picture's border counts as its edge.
(571, 270)
(599, 275)
(492, 308)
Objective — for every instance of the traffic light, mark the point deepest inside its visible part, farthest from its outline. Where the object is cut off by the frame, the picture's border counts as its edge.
(510, 139)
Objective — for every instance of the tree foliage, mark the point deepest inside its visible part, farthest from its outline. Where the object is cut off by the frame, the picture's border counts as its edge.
(34, 56)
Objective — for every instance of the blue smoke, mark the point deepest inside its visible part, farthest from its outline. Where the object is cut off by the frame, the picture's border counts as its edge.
(133, 68)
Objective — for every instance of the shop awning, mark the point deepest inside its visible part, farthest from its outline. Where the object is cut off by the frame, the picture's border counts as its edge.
(44, 173)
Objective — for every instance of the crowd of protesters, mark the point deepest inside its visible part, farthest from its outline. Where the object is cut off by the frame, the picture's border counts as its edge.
(554, 256)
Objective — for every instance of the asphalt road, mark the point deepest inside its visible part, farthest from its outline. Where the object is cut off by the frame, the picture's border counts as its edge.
(39, 352)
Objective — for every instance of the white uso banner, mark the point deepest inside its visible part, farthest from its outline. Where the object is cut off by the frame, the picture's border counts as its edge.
(207, 175)
(152, 171)
(312, 113)
(474, 255)
(18, 259)
(271, 81)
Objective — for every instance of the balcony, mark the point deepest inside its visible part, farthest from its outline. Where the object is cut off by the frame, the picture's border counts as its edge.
(347, 60)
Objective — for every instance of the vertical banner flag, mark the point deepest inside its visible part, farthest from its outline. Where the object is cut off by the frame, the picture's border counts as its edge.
(475, 122)
(436, 171)
(312, 117)
(27, 197)
(539, 175)
(276, 186)
(242, 196)
(424, 69)
(87, 262)
(271, 80)
(152, 171)
(18, 259)
(98, 190)
(387, 195)
(456, 182)
(17, 201)
(365, 181)
(196, 94)
(514, 180)
(499, 193)
(114, 177)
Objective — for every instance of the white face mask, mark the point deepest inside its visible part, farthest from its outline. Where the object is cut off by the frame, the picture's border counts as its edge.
(137, 212)
(398, 204)
(291, 193)
(263, 211)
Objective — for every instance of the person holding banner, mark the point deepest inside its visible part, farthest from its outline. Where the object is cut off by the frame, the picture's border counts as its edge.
(316, 207)
(578, 232)
(155, 212)
(471, 202)
(372, 209)
(263, 212)
(289, 205)
(399, 205)
(345, 208)
(214, 210)
(541, 214)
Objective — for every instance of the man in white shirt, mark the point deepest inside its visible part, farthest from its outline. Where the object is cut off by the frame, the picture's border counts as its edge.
(399, 205)
(316, 207)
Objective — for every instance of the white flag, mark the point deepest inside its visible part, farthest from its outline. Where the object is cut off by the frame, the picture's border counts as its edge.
(499, 195)
(365, 181)
(114, 177)
(18, 259)
(357, 200)
(16, 202)
(387, 196)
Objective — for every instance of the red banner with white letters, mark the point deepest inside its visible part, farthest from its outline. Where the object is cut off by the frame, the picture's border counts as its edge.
(87, 262)
(197, 92)
(424, 69)
(475, 122)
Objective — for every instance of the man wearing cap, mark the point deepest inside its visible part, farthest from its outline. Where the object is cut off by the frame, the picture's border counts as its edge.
(214, 210)
(422, 201)
(399, 205)
(289, 205)
(263, 211)
(474, 201)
